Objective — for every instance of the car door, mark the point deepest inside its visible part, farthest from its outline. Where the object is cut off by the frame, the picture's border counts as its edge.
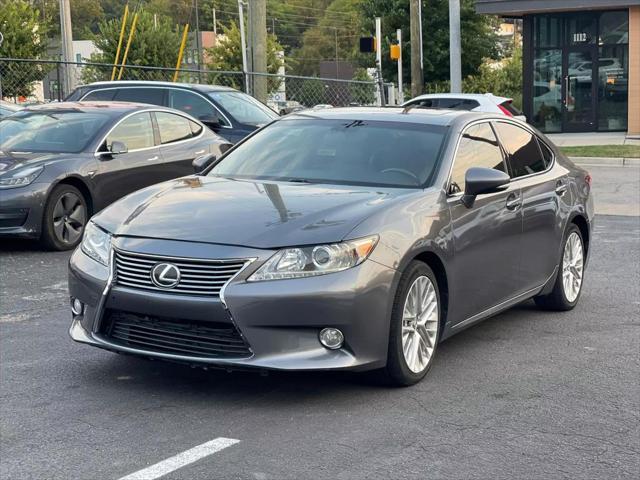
(487, 235)
(123, 173)
(544, 195)
(180, 143)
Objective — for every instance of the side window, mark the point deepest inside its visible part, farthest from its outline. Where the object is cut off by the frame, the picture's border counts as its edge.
(100, 95)
(458, 103)
(152, 96)
(193, 104)
(173, 128)
(524, 154)
(135, 132)
(547, 154)
(425, 103)
(478, 148)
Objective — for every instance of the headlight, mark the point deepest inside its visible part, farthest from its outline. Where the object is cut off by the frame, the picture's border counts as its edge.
(96, 243)
(20, 178)
(318, 260)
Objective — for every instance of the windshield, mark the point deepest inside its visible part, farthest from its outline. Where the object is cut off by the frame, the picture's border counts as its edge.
(51, 131)
(351, 152)
(244, 108)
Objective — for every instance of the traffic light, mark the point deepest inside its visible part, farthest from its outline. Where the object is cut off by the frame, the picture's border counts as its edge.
(367, 44)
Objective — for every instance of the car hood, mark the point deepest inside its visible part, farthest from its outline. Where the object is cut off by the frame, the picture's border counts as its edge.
(10, 161)
(256, 214)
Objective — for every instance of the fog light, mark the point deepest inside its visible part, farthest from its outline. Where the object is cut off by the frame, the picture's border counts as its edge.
(331, 338)
(77, 307)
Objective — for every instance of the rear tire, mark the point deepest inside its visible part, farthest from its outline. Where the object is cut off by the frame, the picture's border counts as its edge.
(415, 326)
(65, 216)
(570, 277)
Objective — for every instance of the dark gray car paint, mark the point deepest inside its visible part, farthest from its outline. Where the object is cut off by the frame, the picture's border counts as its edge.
(482, 251)
(103, 179)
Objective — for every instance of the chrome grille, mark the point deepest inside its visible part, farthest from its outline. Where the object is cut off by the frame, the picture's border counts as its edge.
(197, 276)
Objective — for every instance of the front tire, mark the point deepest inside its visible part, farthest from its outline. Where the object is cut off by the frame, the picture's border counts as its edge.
(415, 326)
(570, 278)
(65, 216)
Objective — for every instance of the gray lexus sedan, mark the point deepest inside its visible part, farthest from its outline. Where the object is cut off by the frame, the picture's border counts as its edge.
(341, 239)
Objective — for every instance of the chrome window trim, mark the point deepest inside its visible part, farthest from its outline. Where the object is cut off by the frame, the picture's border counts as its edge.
(165, 88)
(98, 154)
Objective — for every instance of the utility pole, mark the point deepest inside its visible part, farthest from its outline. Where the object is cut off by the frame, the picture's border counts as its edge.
(455, 47)
(415, 23)
(379, 59)
(258, 41)
(215, 26)
(198, 46)
(400, 86)
(243, 47)
(335, 34)
(66, 37)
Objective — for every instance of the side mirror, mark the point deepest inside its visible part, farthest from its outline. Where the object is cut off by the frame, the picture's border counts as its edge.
(201, 163)
(479, 180)
(118, 148)
(211, 121)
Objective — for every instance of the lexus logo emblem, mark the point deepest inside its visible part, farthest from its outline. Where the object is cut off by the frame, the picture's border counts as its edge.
(165, 275)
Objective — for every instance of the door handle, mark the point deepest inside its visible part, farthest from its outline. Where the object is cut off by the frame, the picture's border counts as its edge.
(561, 188)
(199, 152)
(513, 201)
(153, 159)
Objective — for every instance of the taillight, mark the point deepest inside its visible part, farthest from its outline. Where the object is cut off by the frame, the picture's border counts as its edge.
(587, 180)
(505, 111)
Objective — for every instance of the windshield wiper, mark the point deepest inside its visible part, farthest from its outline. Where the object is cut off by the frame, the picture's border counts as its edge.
(298, 180)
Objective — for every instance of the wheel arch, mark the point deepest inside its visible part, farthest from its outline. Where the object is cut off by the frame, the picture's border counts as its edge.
(81, 185)
(583, 225)
(437, 265)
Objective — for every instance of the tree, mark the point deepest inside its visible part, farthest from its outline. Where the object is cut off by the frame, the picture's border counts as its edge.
(155, 43)
(227, 54)
(363, 93)
(479, 39)
(85, 16)
(24, 37)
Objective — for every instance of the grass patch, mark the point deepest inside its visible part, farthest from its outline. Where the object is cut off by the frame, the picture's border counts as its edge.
(616, 151)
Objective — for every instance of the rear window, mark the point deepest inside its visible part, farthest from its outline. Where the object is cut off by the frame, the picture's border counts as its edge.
(100, 95)
(457, 103)
(508, 106)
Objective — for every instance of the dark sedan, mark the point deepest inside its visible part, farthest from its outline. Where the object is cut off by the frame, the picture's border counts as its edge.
(352, 239)
(228, 112)
(60, 163)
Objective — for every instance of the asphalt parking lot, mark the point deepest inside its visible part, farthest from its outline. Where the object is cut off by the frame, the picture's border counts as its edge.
(526, 394)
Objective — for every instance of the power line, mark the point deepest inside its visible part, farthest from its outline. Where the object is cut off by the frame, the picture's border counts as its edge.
(343, 12)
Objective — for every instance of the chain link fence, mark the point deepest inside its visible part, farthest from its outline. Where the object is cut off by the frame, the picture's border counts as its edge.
(49, 80)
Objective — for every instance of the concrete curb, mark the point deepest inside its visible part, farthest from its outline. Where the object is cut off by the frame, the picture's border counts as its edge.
(620, 162)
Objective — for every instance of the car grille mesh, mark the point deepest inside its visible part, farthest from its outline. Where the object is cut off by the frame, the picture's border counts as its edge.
(197, 276)
(173, 336)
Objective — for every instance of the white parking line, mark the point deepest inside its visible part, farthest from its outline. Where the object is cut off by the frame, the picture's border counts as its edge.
(182, 459)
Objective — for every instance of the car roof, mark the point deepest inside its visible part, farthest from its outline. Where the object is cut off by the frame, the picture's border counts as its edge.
(473, 96)
(426, 116)
(114, 108)
(142, 83)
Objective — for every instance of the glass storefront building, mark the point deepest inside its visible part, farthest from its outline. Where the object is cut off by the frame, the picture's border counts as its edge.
(581, 63)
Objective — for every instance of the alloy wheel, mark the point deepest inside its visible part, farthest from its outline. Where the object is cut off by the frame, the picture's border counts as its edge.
(420, 324)
(69, 218)
(572, 267)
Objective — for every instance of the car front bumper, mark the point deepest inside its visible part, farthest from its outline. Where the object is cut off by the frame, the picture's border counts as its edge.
(21, 210)
(279, 320)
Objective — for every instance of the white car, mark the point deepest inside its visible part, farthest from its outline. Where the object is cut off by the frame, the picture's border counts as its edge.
(476, 102)
(7, 108)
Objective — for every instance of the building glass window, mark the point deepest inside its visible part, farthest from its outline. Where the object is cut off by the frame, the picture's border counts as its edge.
(614, 28)
(547, 90)
(581, 29)
(547, 31)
